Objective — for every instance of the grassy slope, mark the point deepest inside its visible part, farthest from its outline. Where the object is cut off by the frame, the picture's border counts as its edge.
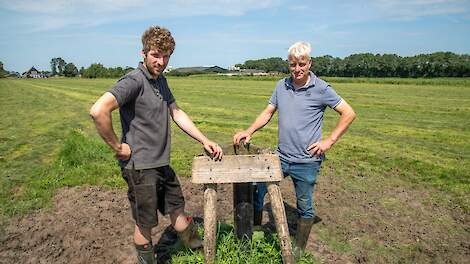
(411, 134)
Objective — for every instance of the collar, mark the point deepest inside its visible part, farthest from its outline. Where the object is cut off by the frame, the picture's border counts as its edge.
(146, 72)
(311, 83)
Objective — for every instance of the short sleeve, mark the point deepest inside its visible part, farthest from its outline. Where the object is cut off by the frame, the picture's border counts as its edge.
(273, 99)
(329, 97)
(126, 90)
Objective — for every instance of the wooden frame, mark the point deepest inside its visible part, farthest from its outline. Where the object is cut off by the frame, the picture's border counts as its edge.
(240, 169)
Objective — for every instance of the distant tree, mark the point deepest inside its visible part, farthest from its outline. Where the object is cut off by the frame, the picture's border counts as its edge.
(61, 66)
(58, 66)
(53, 66)
(96, 70)
(70, 70)
(128, 69)
(389, 65)
(324, 65)
(46, 73)
(274, 64)
(3, 73)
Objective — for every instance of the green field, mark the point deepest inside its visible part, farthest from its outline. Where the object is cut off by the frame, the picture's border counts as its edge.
(409, 133)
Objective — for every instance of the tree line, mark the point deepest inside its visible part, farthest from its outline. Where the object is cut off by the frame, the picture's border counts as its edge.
(438, 64)
(96, 70)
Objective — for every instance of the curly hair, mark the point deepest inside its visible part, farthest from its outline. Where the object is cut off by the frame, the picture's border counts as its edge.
(158, 38)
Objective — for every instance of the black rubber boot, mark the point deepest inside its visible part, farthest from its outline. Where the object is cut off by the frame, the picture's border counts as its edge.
(304, 225)
(257, 217)
(145, 254)
(190, 236)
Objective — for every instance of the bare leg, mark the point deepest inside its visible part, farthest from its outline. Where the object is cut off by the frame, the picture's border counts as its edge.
(143, 245)
(142, 236)
(179, 220)
(186, 229)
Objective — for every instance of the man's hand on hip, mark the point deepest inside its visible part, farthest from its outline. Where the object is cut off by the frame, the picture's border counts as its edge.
(124, 152)
(320, 147)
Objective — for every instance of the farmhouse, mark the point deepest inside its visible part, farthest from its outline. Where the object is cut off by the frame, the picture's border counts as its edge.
(33, 73)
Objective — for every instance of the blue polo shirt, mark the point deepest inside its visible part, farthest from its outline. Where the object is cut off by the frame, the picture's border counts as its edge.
(301, 116)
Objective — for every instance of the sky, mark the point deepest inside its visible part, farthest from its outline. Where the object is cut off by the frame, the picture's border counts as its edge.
(225, 32)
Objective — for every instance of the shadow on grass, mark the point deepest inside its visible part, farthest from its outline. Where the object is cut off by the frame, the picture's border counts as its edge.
(292, 217)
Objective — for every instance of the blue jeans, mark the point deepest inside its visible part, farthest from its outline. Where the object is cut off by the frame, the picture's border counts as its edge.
(304, 177)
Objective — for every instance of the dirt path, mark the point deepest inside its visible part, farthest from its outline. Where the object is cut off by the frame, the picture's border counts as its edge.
(93, 225)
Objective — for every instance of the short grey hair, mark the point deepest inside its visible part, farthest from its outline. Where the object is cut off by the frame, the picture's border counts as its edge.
(300, 49)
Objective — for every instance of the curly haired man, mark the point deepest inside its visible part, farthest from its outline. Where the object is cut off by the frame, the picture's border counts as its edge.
(146, 104)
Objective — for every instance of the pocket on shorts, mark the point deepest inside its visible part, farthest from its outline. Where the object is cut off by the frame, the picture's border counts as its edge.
(145, 205)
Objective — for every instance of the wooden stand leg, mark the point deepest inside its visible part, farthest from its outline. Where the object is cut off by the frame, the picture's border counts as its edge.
(280, 219)
(243, 210)
(210, 222)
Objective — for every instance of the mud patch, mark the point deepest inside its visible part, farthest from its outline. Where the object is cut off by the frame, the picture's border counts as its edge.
(91, 224)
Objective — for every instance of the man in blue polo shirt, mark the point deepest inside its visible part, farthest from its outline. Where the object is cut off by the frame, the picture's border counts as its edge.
(301, 100)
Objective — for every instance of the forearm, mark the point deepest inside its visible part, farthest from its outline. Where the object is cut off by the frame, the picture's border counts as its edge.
(186, 124)
(344, 122)
(104, 126)
(260, 122)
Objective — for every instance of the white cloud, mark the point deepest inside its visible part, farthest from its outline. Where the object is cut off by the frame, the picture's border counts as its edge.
(413, 9)
(55, 7)
(43, 15)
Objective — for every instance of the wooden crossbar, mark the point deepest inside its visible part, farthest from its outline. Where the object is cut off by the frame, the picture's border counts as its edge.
(237, 169)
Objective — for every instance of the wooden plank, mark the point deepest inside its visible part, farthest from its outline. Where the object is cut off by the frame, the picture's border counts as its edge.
(210, 222)
(280, 220)
(237, 169)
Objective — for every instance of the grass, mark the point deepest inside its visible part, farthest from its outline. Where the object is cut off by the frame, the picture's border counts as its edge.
(413, 132)
(263, 248)
(392, 80)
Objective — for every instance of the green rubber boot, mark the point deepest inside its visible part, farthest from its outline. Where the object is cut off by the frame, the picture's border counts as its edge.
(304, 225)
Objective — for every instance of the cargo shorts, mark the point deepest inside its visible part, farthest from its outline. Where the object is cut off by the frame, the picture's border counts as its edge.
(152, 190)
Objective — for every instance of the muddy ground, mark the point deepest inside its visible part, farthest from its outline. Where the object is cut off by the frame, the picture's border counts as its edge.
(93, 225)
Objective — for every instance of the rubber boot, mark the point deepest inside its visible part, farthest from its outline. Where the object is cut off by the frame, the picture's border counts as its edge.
(145, 254)
(257, 217)
(304, 225)
(190, 236)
